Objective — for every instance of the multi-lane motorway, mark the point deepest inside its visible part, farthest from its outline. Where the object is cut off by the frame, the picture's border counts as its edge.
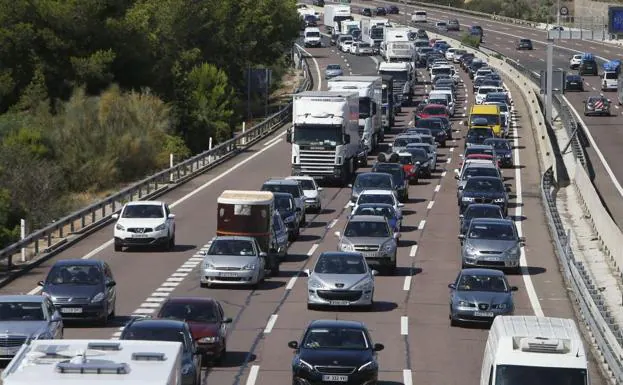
(607, 132)
(411, 313)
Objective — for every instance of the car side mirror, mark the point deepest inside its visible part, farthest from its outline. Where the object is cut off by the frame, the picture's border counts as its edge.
(40, 283)
(396, 235)
(307, 272)
(320, 189)
(227, 320)
(374, 272)
(289, 135)
(293, 345)
(337, 234)
(401, 205)
(417, 163)
(390, 145)
(456, 176)
(115, 216)
(351, 204)
(461, 187)
(350, 185)
(522, 239)
(111, 284)
(461, 216)
(514, 288)
(378, 347)
(452, 286)
(262, 254)
(609, 101)
(461, 236)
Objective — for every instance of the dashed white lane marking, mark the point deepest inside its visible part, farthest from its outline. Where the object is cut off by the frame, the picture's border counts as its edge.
(421, 225)
(291, 283)
(333, 222)
(413, 251)
(271, 323)
(449, 160)
(430, 205)
(255, 370)
(437, 188)
(404, 325)
(407, 377)
(451, 149)
(443, 174)
(347, 205)
(312, 250)
(407, 285)
(155, 299)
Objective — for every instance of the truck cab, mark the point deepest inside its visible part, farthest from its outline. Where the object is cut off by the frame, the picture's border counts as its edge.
(404, 79)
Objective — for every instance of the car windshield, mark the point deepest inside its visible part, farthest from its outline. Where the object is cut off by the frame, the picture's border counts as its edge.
(482, 212)
(21, 311)
(484, 151)
(492, 120)
(395, 172)
(428, 139)
(154, 334)
(479, 132)
(340, 264)
(239, 247)
(193, 312)
(419, 154)
(484, 185)
(373, 180)
(539, 375)
(438, 100)
(386, 211)
(307, 184)
(485, 90)
(498, 231)
(596, 99)
(479, 171)
(75, 275)
(422, 131)
(334, 67)
(475, 282)
(434, 110)
(404, 141)
(284, 188)
(283, 203)
(143, 211)
(498, 144)
(359, 229)
(336, 338)
(376, 198)
(405, 159)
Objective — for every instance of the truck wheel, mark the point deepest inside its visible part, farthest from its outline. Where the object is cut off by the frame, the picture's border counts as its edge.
(118, 248)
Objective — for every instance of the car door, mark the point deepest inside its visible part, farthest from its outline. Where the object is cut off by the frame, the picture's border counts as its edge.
(191, 348)
(281, 233)
(111, 289)
(170, 221)
(223, 326)
(55, 320)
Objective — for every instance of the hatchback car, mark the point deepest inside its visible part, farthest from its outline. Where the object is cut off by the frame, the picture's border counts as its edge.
(385, 210)
(144, 223)
(288, 186)
(81, 289)
(24, 318)
(574, 83)
(431, 150)
(340, 279)
(393, 10)
(371, 236)
(422, 160)
(524, 44)
(333, 70)
(311, 191)
(207, 322)
(478, 210)
(478, 135)
(380, 11)
(474, 170)
(402, 141)
(145, 329)
(479, 295)
(484, 189)
(410, 166)
(325, 342)
(597, 105)
(503, 150)
(286, 207)
(398, 175)
(371, 181)
(491, 243)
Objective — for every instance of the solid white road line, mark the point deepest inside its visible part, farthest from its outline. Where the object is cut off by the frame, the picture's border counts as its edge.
(413, 251)
(333, 222)
(271, 323)
(319, 86)
(407, 377)
(407, 284)
(404, 325)
(255, 370)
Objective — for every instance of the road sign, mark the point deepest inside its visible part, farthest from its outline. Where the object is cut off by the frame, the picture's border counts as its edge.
(564, 11)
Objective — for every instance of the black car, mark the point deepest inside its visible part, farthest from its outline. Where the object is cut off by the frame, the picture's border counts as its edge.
(145, 329)
(371, 181)
(366, 12)
(285, 204)
(478, 210)
(397, 172)
(318, 3)
(524, 44)
(380, 11)
(503, 151)
(474, 66)
(81, 289)
(335, 352)
(393, 10)
(484, 189)
(478, 135)
(574, 83)
(420, 156)
(446, 124)
(436, 127)
(597, 105)
(588, 66)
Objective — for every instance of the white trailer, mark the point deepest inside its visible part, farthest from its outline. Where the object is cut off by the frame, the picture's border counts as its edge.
(96, 362)
(334, 15)
(370, 90)
(372, 31)
(325, 135)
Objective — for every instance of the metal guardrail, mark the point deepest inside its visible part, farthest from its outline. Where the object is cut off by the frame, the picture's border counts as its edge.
(55, 235)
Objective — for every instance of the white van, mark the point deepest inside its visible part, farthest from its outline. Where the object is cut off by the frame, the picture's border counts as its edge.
(609, 81)
(418, 17)
(444, 94)
(534, 350)
(312, 37)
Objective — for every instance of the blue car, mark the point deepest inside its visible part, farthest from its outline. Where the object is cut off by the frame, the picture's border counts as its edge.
(393, 218)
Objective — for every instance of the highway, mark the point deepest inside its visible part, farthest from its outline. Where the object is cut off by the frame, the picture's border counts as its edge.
(411, 311)
(607, 132)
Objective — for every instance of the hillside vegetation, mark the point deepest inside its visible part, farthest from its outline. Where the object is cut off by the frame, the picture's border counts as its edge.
(540, 11)
(97, 94)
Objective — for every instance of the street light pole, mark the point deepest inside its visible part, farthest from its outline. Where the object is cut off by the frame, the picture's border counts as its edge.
(549, 92)
(558, 12)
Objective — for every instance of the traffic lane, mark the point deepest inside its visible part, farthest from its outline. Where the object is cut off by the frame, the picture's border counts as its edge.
(361, 65)
(320, 58)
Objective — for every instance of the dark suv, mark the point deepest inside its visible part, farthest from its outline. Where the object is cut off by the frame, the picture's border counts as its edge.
(524, 44)
(398, 175)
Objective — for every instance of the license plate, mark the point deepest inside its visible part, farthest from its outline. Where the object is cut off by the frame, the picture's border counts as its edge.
(483, 314)
(72, 310)
(369, 254)
(339, 303)
(491, 259)
(333, 378)
(228, 274)
(139, 235)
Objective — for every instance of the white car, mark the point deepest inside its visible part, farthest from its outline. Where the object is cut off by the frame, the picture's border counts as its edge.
(346, 44)
(233, 261)
(481, 93)
(450, 54)
(609, 81)
(575, 61)
(378, 196)
(361, 48)
(311, 191)
(144, 223)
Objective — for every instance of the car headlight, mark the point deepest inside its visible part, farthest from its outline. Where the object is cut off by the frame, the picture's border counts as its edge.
(187, 369)
(346, 247)
(208, 265)
(160, 227)
(249, 266)
(314, 284)
(304, 365)
(119, 227)
(99, 297)
(508, 155)
(499, 200)
(513, 250)
(370, 365)
(467, 199)
(209, 340)
(289, 219)
(388, 246)
(466, 304)
(470, 249)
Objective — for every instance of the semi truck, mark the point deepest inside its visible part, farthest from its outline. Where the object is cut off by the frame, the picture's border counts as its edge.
(404, 80)
(372, 31)
(334, 15)
(388, 111)
(325, 135)
(370, 90)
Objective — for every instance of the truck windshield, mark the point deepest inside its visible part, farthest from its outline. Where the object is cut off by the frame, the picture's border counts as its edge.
(515, 375)
(400, 76)
(376, 33)
(317, 134)
(312, 34)
(492, 120)
(364, 108)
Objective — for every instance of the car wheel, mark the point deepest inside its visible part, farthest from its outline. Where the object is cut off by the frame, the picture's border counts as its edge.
(221, 357)
(453, 322)
(118, 248)
(171, 245)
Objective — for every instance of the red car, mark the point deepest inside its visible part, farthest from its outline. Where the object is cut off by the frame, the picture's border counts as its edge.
(409, 166)
(433, 111)
(206, 320)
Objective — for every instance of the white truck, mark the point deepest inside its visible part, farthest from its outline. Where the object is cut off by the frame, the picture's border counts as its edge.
(311, 37)
(325, 135)
(334, 15)
(372, 31)
(370, 90)
(348, 26)
(404, 80)
(396, 46)
(96, 362)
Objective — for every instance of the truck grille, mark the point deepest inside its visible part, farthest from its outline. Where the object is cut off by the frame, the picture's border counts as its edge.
(339, 295)
(317, 161)
(12, 341)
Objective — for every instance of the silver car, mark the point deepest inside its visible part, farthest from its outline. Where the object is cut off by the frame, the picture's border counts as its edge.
(479, 295)
(233, 261)
(24, 318)
(340, 279)
(493, 243)
(332, 71)
(371, 236)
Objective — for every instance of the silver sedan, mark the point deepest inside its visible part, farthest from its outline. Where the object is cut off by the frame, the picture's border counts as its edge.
(340, 279)
(479, 295)
(233, 261)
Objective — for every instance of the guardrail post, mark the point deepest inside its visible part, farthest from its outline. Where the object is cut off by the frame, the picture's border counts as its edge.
(244, 128)
(210, 149)
(22, 228)
(171, 164)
